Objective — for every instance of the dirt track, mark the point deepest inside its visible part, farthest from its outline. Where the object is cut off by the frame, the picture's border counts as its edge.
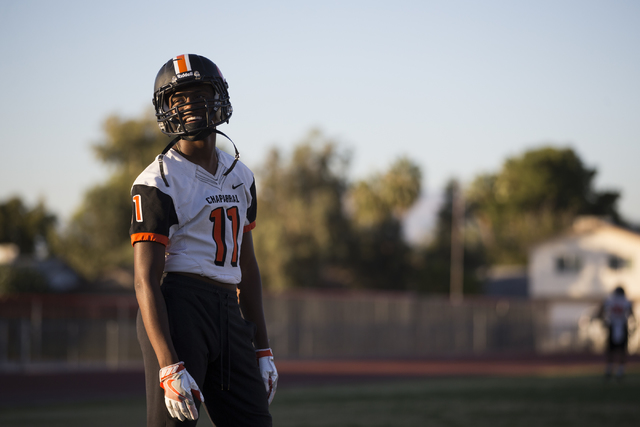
(295, 373)
(69, 386)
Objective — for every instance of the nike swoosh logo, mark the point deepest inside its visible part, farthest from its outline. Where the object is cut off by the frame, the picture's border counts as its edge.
(236, 186)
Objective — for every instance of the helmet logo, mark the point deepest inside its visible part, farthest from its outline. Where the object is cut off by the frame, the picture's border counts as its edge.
(183, 75)
(182, 66)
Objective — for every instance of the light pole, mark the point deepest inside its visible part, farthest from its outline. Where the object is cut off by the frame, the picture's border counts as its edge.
(457, 244)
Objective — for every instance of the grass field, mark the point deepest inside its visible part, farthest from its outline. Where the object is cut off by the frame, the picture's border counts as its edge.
(586, 401)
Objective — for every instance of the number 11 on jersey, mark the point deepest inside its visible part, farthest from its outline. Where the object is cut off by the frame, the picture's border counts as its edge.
(217, 217)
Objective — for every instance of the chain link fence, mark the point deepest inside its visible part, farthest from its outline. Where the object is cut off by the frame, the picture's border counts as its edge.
(80, 331)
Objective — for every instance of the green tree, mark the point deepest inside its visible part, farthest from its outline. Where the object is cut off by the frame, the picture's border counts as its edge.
(381, 256)
(534, 196)
(97, 238)
(302, 237)
(23, 226)
(130, 144)
(21, 280)
(382, 197)
(314, 229)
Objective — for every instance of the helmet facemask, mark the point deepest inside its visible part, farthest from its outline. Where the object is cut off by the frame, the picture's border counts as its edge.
(177, 118)
(181, 73)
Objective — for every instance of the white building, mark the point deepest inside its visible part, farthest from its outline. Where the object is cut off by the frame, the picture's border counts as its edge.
(576, 271)
(587, 262)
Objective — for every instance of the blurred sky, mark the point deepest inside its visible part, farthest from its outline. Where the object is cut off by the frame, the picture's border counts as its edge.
(456, 85)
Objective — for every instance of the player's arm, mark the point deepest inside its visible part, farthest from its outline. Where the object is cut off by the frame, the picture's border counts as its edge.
(179, 387)
(251, 291)
(153, 214)
(252, 310)
(148, 260)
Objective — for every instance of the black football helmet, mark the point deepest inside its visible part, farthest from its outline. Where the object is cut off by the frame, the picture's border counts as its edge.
(178, 73)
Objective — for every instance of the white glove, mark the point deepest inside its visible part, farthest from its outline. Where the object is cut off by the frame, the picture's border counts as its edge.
(268, 372)
(178, 387)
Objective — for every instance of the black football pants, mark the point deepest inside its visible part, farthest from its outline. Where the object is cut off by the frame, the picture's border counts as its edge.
(215, 344)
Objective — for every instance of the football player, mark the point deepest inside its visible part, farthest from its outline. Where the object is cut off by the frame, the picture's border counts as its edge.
(201, 323)
(615, 313)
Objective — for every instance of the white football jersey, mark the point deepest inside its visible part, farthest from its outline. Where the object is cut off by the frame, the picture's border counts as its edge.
(617, 310)
(199, 217)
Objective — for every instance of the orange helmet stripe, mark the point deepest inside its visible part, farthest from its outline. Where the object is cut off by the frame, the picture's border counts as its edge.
(181, 64)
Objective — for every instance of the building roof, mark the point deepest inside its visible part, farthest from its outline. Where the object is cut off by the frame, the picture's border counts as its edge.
(585, 225)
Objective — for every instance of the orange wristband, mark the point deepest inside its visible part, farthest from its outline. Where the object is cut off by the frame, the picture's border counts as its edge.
(263, 353)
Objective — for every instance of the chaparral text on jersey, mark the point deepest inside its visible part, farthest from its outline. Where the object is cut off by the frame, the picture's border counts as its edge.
(223, 198)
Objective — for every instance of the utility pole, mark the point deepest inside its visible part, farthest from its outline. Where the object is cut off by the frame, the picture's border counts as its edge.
(457, 244)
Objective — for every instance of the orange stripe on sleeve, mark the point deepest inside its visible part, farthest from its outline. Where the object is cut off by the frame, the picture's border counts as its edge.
(149, 237)
(249, 227)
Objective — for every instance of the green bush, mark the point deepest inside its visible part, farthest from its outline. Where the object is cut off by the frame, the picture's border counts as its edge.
(14, 280)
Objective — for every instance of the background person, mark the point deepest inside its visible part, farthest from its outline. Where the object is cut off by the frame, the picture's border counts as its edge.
(615, 313)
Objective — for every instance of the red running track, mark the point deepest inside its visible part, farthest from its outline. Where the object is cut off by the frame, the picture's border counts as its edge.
(70, 386)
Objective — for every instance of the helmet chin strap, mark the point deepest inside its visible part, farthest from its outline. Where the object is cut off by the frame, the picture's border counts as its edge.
(200, 135)
(236, 157)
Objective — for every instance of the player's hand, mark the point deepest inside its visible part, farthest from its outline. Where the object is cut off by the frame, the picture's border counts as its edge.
(268, 372)
(179, 390)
